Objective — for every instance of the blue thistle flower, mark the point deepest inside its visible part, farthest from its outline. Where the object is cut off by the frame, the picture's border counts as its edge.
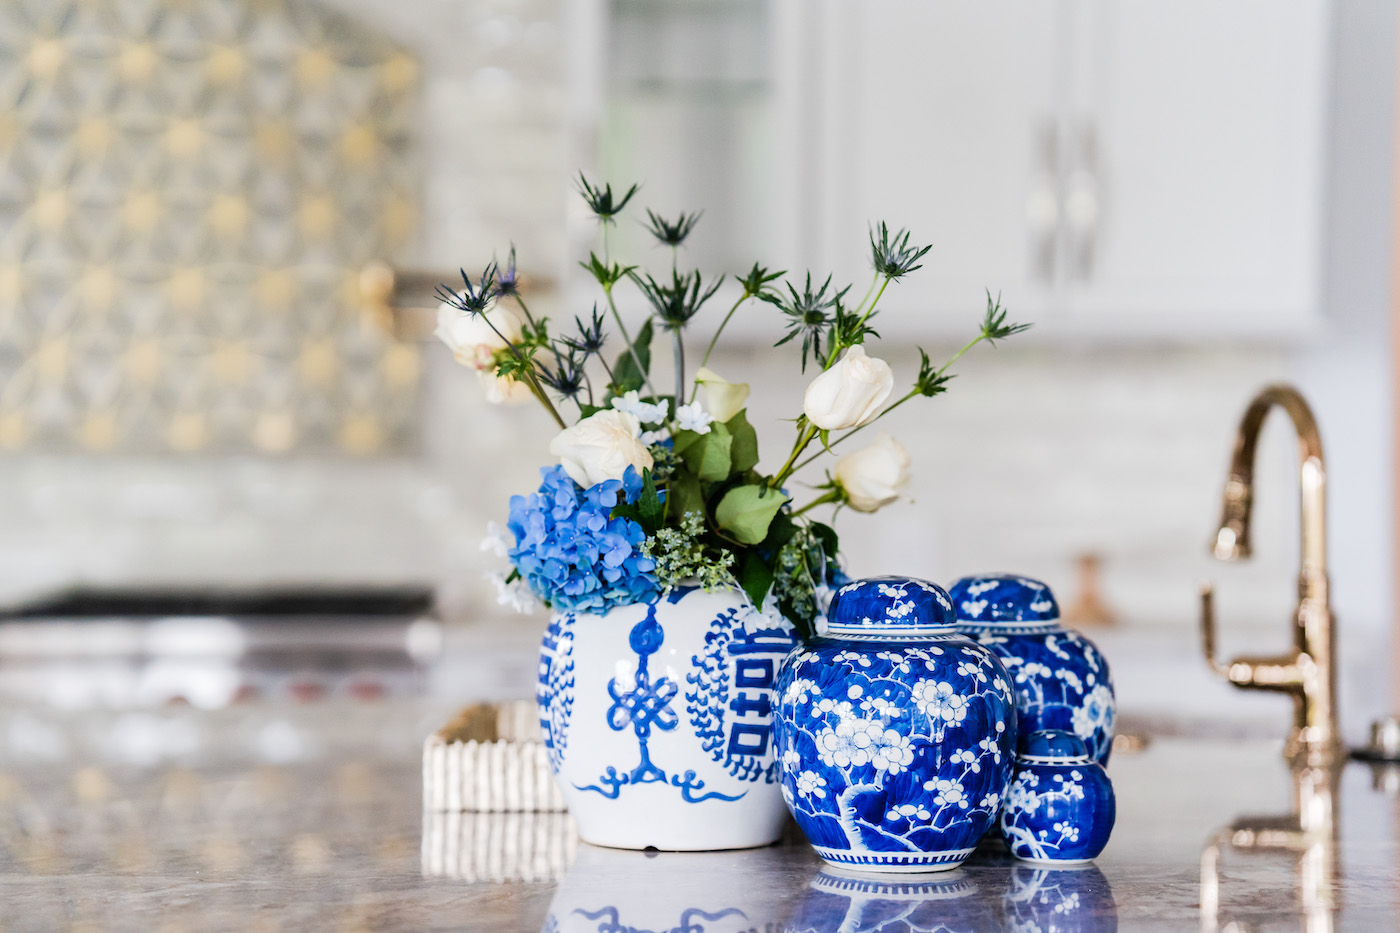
(572, 553)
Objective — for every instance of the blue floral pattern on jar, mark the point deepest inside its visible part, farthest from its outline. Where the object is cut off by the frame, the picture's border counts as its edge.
(1061, 678)
(894, 734)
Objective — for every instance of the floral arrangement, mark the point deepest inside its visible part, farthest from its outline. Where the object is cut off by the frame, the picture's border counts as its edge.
(654, 487)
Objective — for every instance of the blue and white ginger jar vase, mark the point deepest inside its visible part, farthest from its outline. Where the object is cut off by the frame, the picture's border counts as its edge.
(895, 734)
(1060, 808)
(657, 719)
(1061, 677)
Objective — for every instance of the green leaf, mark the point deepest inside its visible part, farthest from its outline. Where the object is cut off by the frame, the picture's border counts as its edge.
(747, 511)
(685, 495)
(780, 532)
(649, 507)
(682, 441)
(708, 456)
(755, 576)
(743, 453)
(626, 375)
(826, 537)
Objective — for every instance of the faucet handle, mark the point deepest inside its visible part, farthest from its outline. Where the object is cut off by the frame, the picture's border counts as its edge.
(1208, 629)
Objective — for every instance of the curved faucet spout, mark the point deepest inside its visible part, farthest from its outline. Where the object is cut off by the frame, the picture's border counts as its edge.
(1307, 673)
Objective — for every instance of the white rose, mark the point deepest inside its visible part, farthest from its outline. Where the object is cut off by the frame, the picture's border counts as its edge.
(850, 393)
(470, 337)
(504, 389)
(601, 447)
(725, 399)
(874, 476)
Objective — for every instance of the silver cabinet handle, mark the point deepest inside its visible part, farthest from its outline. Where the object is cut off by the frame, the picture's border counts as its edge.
(1043, 202)
(1083, 203)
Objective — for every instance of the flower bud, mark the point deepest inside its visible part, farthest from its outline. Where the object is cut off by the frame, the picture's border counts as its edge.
(874, 476)
(850, 393)
(724, 399)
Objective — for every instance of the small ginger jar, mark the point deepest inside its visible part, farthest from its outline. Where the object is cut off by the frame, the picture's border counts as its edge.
(1060, 808)
(894, 734)
(1061, 678)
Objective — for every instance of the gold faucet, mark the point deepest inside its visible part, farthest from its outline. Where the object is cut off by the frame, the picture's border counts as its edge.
(1308, 672)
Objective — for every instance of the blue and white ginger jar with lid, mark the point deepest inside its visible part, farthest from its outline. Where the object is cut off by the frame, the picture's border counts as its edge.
(895, 735)
(1061, 806)
(1061, 677)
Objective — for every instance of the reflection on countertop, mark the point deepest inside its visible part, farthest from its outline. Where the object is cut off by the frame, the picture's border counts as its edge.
(309, 816)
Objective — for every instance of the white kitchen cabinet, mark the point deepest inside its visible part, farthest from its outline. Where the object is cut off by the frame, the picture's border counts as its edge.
(1144, 168)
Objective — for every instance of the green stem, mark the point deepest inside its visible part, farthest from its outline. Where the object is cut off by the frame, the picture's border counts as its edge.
(631, 348)
(871, 310)
(529, 372)
(680, 365)
(832, 496)
(715, 339)
(803, 440)
(866, 297)
(528, 316)
(968, 346)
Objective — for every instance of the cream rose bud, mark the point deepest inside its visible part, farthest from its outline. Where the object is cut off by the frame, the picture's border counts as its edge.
(505, 390)
(724, 399)
(470, 337)
(850, 393)
(874, 476)
(601, 447)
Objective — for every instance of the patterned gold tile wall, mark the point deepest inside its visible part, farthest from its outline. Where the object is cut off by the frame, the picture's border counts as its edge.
(187, 189)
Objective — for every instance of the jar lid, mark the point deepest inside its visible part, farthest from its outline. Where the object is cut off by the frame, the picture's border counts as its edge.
(1003, 597)
(1053, 746)
(890, 606)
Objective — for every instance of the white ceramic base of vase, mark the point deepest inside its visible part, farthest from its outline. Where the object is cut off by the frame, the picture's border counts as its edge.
(895, 863)
(1055, 862)
(668, 825)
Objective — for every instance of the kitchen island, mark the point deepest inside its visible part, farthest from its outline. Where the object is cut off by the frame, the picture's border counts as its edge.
(309, 817)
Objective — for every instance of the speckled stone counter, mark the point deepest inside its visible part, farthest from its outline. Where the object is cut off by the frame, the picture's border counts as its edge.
(309, 818)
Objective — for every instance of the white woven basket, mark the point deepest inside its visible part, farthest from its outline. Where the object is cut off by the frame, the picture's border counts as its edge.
(509, 774)
(498, 847)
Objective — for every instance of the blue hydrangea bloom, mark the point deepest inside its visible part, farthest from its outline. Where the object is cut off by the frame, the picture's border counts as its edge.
(571, 553)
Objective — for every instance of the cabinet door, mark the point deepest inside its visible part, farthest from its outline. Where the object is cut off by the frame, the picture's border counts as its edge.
(939, 117)
(1195, 138)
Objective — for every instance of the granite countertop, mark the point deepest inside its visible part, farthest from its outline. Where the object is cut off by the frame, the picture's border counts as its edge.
(309, 817)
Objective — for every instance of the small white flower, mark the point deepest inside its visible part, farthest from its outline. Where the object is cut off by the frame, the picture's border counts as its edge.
(694, 417)
(495, 540)
(515, 594)
(645, 412)
(652, 438)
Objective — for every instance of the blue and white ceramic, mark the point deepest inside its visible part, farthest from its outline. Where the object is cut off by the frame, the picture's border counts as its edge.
(658, 721)
(1060, 808)
(1061, 678)
(1042, 899)
(841, 903)
(894, 733)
